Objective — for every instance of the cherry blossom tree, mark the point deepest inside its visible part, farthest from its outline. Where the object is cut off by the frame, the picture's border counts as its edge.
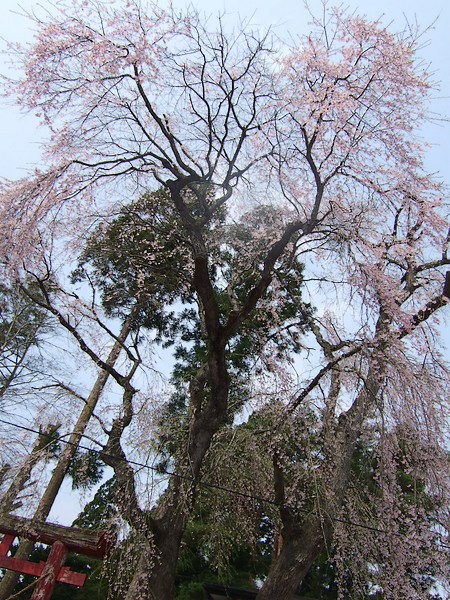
(285, 239)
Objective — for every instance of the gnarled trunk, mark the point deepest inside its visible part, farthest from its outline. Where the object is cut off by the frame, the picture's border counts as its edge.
(162, 528)
(304, 542)
(154, 575)
(300, 550)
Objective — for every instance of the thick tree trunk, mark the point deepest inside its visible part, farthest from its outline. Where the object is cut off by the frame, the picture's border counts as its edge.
(304, 542)
(154, 575)
(302, 545)
(299, 552)
(155, 572)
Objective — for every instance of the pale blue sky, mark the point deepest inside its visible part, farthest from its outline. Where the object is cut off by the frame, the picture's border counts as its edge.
(19, 136)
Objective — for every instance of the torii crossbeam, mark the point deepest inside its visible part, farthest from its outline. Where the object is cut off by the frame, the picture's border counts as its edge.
(62, 540)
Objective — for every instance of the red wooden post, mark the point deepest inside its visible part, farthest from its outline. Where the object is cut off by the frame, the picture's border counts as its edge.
(55, 561)
(6, 543)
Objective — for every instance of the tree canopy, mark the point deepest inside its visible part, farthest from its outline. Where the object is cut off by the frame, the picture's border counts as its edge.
(259, 213)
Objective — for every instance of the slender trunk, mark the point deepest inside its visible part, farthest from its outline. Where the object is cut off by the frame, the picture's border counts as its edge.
(3, 472)
(45, 505)
(8, 502)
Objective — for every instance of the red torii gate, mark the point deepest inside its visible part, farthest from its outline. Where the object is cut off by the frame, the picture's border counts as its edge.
(62, 540)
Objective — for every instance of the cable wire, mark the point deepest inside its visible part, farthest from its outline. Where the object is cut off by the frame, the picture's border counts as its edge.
(206, 484)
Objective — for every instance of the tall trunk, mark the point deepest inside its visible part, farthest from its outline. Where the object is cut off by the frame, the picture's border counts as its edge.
(154, 574)
(45, 505)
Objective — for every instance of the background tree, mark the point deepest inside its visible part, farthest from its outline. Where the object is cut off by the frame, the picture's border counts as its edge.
(83, 466)
(22, 329)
